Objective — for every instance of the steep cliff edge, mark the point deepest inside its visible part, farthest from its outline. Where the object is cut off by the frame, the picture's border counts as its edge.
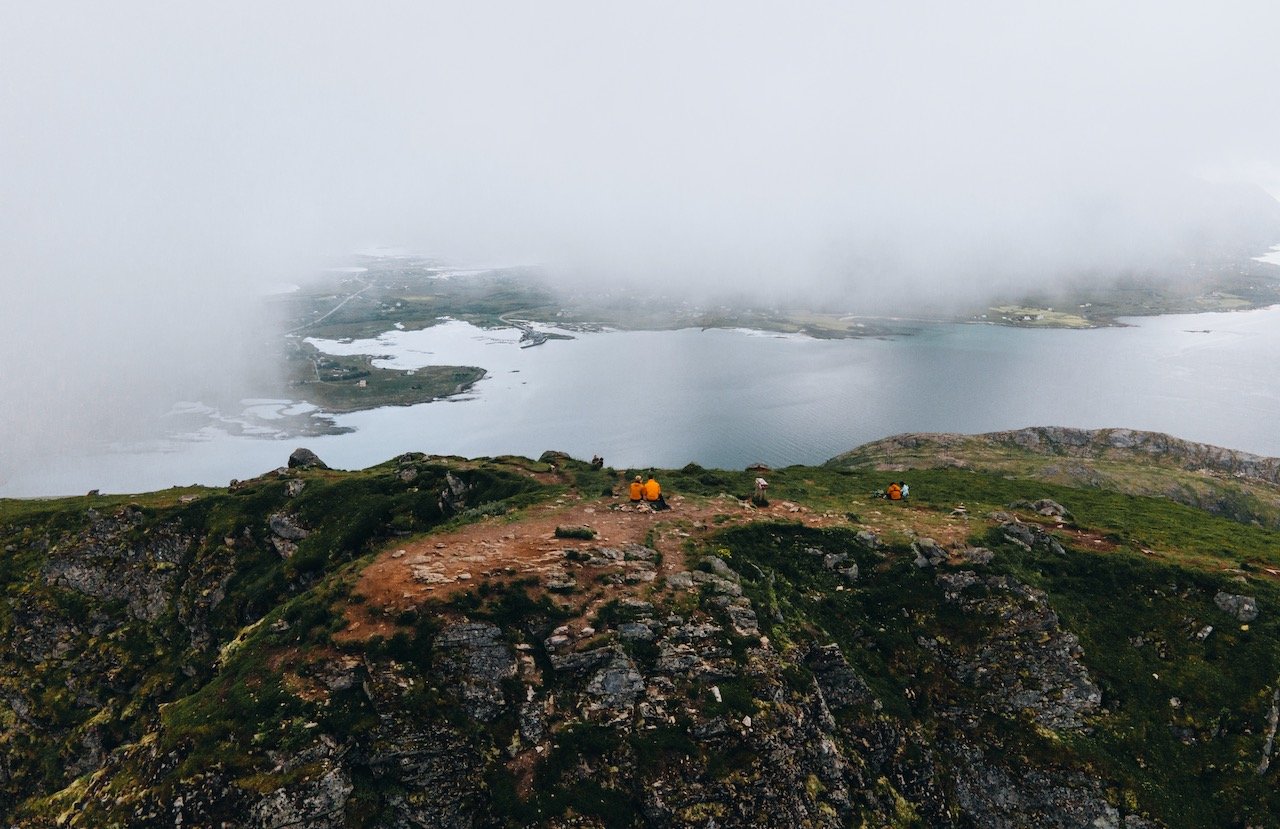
(417, 645)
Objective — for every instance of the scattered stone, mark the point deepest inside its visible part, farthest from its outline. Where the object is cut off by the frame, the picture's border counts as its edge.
(407, 475)
(954, 583)
(680, 581)
(635, 632)
(679, 660)
(424, 574)
(287, 527)
(1243, 608)
(1019, 533)
(928, 553)
(717, 584)
(618, 685)
(1029, 537)
(831, 561)
(1273, 721)
(741, 617)
(1044, 506)
(293, 488)
(1203, 633)
(284, 547)
(636, 552)
(636, 606)
(976, 555)
(578, 661)
(558, 581)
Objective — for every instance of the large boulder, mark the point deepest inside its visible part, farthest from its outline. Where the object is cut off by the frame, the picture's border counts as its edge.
(305, 459)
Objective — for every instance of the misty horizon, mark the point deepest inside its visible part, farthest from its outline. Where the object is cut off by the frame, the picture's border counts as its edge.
(161, 165)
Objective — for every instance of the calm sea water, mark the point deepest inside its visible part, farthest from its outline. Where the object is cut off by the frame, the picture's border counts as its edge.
(731, 398)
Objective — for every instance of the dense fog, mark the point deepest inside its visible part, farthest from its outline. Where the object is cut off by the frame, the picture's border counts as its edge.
(161, 164)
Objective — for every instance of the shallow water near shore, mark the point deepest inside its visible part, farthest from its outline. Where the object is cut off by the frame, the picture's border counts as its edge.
(730, 398)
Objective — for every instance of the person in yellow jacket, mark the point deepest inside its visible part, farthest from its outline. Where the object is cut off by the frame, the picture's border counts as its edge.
(652, 489)
(637, 491)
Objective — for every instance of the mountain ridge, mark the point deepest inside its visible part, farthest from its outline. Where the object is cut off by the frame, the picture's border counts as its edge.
(508, 642)
(1240, 485)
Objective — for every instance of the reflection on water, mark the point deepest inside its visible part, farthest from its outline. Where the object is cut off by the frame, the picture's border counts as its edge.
(726, 398)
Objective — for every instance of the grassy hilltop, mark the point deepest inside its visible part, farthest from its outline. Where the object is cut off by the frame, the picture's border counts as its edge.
(438, 641)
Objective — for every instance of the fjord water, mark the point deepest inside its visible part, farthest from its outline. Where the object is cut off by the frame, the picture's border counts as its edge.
(731, 398)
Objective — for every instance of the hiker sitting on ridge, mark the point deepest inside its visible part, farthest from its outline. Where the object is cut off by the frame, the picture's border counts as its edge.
(894, 491)
(653, 494)
(637, 491)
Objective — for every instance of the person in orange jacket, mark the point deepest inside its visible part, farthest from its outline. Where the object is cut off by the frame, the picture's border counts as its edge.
(637, 491)
(652, 489)
(894, 491)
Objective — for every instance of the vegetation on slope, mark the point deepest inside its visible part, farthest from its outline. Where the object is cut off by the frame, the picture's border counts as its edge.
(248, 676)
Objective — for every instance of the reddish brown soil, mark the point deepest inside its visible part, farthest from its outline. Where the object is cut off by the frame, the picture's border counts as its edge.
(505, 548)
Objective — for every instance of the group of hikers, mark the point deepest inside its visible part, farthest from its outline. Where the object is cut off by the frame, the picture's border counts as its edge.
(649, 492)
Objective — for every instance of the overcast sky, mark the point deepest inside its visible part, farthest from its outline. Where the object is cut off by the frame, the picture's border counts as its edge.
(158, 161)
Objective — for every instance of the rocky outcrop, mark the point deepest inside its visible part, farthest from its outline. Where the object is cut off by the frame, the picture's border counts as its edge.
(992, 796)
(111, 561)
(1024, 663)
(286, 532)
(302, 458)
(453, 498)
(1031, 537)
(1083, 443)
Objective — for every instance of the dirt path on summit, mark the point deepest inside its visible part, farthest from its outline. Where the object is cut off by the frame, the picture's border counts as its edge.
(438, 566)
